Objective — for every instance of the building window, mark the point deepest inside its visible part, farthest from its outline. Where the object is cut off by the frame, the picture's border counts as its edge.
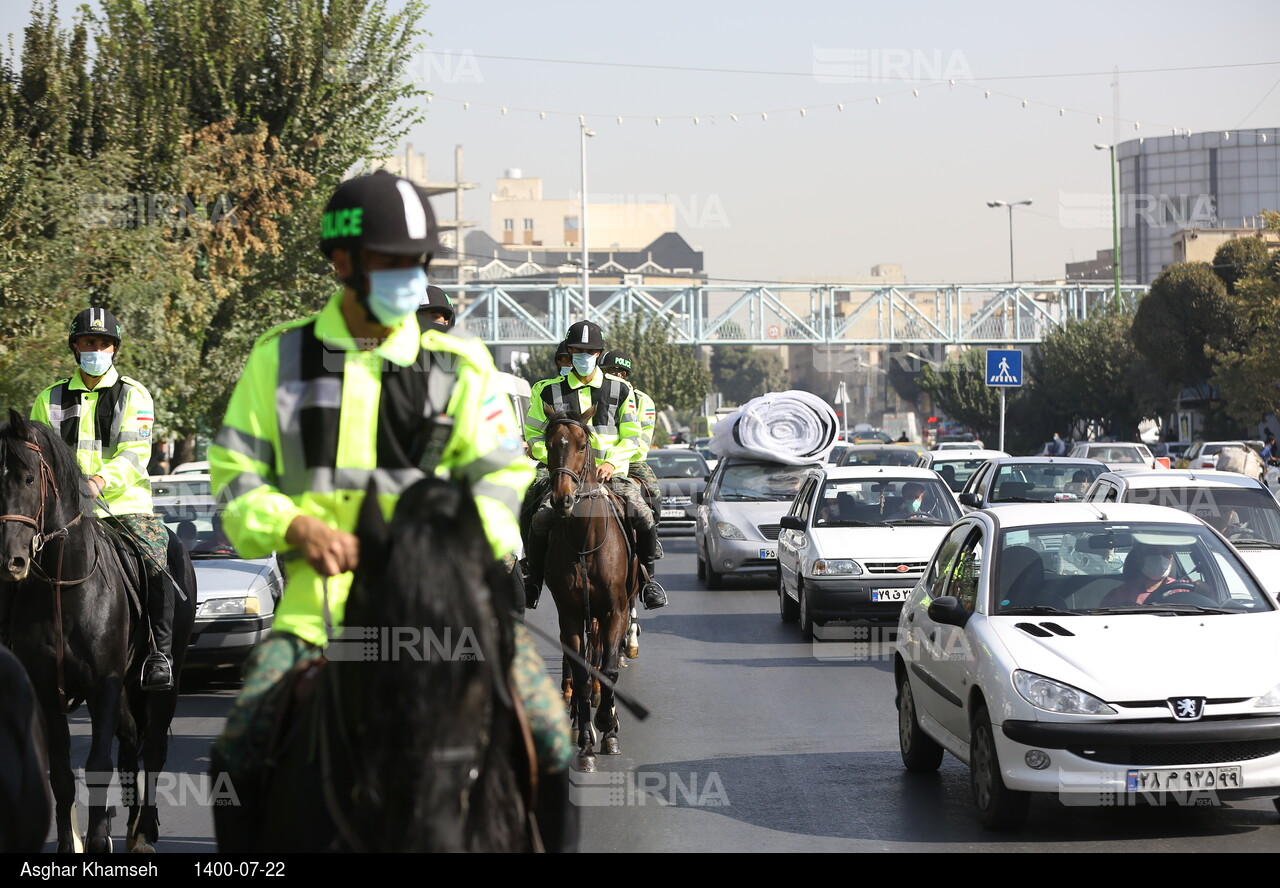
(528, 225)
(508, 224)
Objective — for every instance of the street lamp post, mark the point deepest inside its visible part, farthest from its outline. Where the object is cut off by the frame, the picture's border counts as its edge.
(582, 224)
(1115, 220)
(1010, 205)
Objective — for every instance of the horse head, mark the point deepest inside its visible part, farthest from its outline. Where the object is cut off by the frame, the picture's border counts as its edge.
(569, 458)
(40, 487)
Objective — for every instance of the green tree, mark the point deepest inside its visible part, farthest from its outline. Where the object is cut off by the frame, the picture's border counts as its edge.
(669, 373)
(1184, 317)
(959, 388)
(1246, 375)
(743, 372)
(1236, 259)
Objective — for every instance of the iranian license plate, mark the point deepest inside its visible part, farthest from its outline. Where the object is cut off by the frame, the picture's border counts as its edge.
(1182, 779)
(769, 553)
(673, 513)
(890, 594)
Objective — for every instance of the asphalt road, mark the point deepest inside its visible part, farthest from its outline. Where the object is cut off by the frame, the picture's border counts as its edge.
(758, 742)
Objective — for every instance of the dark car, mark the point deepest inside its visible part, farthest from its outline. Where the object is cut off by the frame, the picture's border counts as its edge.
(682, 474)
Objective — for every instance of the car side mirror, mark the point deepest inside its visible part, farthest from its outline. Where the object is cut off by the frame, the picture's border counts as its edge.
(792, 522)
(971, 499)
(948, 611)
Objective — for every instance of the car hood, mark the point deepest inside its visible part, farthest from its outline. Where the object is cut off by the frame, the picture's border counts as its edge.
(1131, 657)
(747, 516)
(226, 577)
(893, 543)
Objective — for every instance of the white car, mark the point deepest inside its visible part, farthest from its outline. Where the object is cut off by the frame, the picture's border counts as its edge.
(852, 545)
(1119, 456)
(1240, 508)
(1101, 655)
(955, 466)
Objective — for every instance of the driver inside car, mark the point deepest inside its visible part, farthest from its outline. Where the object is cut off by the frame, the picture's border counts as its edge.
(1147, 568)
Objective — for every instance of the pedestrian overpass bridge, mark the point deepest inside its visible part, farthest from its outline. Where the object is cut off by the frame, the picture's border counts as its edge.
(518, 314)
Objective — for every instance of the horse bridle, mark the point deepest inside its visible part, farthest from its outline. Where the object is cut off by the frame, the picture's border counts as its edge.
(40, 539)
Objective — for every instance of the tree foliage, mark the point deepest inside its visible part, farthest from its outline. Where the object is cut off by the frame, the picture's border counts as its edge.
(1237, 258)
(743, 372)
(960, 390)
(1247, 375)
(1184, 317)
(176, 173)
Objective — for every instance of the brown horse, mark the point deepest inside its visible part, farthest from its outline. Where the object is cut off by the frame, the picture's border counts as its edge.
(591, 573)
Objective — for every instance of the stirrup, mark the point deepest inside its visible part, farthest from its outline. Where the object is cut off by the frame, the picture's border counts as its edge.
(657, 549)
(157, 673)
(531, 595)
(653, 595)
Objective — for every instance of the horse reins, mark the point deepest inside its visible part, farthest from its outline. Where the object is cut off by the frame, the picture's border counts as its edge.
(38, 541)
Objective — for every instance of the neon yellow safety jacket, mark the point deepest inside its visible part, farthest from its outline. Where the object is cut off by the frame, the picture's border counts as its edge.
(615, 424)
(109, 428)
(314, 419)
(647, 413)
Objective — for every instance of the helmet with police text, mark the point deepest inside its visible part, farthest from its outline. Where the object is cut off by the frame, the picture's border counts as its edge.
(585, 334)
(616, 360)
(438, 302)
(96, 322)
(380, 212)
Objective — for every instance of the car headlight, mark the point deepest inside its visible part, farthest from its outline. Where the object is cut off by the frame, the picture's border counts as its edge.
(836, 567)
(1054, 696)
(1270, 698)
(728, 531)
(228, 607)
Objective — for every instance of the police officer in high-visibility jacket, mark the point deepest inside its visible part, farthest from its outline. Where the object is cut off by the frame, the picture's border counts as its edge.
(330, 403)
(619, 364)
(107, 419)
(616, 432)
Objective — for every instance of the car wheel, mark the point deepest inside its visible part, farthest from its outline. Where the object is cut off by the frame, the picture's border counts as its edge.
(806, 618)
(789, 609)
(702, 567)
(714, 579)
(920, 752)
(999, 808)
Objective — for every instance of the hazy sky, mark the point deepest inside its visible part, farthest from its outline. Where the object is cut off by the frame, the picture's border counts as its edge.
(830, 192)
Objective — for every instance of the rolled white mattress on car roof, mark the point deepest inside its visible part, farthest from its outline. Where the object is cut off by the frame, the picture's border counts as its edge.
(794, 428)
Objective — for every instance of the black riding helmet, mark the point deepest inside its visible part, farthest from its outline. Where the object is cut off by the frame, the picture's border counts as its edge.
(381, 212)
(562, 352)
(585, 334)
(96, 321)
(616, 360)
(438, 300)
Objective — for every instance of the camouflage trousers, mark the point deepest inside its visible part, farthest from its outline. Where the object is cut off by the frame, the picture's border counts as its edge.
(241, 748)
(152, 537)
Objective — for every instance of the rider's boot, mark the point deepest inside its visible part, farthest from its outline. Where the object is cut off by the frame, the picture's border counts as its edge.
(653, 595)
(157, 672)
(535, 555)
(557, 814)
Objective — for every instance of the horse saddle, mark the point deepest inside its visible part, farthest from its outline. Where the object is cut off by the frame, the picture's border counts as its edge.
(132, 565)
(283, 706)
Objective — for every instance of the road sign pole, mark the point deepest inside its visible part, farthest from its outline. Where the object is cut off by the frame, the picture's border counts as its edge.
(1002, 418)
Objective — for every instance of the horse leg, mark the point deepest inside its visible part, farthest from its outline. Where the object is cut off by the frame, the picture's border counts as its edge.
(127, 764)
(566, 681)
(104, 710)
(606, 713)
(61, 778)
(633, 634)
(580, 707)
(156, 709)
(596, 661)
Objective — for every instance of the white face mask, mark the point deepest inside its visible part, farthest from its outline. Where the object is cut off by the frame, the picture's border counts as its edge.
(95, 363)
(1156, 567)
(396, 293)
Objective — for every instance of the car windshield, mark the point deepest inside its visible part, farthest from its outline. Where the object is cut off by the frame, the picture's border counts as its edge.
(1117, 454)
(1119, 568)
(760, 482)
(187, 487)
(850, 502)
(1249, 517)
(1043, 482)
(198, 526)
(875, 455)
(956, 472)
(677, 464)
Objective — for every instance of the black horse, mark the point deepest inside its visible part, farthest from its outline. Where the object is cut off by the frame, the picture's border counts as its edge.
(25, 804)
(410, 739)
(76, 625)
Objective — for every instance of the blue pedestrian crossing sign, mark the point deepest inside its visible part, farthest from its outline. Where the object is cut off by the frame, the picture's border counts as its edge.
(1004, 366)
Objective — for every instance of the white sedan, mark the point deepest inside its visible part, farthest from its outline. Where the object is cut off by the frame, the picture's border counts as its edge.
(1100, 655)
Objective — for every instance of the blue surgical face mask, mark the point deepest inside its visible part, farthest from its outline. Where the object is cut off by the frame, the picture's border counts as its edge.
(95, 363)
(584, 364)
(396, 293)
(565, 371)
(915, 505)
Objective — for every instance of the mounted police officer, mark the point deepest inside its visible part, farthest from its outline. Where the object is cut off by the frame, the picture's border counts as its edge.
(438, 309)
(354, 394)
(616, 432)
(107, 420)
(619, 364)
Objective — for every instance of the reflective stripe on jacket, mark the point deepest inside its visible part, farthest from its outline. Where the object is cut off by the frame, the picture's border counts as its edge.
(615, 424)
(109, 427)
(314, 420)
